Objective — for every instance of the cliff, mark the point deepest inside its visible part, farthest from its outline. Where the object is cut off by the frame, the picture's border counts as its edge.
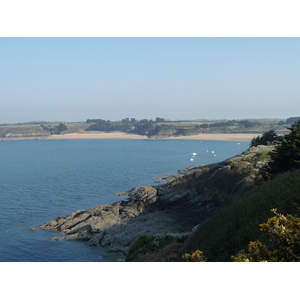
(178, 206)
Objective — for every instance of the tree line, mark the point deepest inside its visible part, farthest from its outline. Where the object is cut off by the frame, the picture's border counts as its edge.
(58, 129)
(159, 126)
(142, 127)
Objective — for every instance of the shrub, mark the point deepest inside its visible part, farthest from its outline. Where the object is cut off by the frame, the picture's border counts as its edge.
(160, 247)
(137, 246)
(197, 256)
(284, 245)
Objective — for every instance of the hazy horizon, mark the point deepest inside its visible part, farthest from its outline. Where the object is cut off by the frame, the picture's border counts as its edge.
(75, 79)
(168, 120)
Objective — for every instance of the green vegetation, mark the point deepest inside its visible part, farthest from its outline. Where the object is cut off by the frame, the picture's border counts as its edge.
(284, 245)
(161, 247)
(286, 155)
(158, 128)
(267, 138)
(142, 127)
(162, 128)
(241, 201)
(292, 120)
(237, 224)
(58, 129)
(38, 130)
(197, 256)
(22, 131)
(137, 247)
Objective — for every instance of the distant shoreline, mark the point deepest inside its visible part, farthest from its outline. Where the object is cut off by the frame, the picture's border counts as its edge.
(247, 137)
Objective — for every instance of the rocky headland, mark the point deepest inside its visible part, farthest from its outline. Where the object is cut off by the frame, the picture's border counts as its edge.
(186, 200)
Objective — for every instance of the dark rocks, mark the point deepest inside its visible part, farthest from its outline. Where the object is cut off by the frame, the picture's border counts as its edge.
(116, 226)
(56, 238)
(175, 207)
(107, 225)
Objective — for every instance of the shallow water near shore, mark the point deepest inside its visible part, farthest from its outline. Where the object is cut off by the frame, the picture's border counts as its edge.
(43, 179)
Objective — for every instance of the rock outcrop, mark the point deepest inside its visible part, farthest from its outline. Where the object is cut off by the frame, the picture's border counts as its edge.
(116, 226)
(174, 207)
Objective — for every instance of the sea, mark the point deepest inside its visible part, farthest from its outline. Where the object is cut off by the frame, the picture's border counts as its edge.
(43, 179)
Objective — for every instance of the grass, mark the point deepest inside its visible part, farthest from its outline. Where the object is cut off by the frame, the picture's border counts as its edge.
(34, 130)
(217, 187)
(161, 247)
(22, 130)
(233, 227)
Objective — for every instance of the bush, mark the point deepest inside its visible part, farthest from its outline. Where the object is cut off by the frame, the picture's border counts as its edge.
(197, 256)
(160, 247)
(136, 247)
(284, 242)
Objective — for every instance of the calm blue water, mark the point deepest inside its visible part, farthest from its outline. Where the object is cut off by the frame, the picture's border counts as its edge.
(41, 180)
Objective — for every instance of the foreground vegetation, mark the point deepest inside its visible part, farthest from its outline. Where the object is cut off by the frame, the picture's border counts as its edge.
(235, 227)
(257, 218)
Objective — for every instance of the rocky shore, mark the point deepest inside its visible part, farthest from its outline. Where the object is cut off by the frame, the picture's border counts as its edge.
(149, 210)
(187, 199)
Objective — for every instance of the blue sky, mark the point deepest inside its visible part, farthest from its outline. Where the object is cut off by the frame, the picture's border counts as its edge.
(74, 79)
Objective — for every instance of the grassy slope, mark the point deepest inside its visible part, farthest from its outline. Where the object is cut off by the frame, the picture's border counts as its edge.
(234, 226)
(22, 131)
(238, 206)
(29, 131)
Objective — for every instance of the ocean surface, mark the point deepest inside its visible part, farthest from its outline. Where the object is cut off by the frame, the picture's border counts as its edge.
(43, 179)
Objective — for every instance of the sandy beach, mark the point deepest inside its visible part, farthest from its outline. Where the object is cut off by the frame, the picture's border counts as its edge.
(247, 137)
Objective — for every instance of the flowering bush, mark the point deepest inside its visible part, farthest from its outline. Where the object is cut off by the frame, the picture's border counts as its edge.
(197, 256)
(284, 242)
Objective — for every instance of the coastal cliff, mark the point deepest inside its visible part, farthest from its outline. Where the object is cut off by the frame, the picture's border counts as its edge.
(176, 207)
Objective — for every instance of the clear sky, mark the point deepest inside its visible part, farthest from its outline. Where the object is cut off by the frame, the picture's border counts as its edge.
(74, 79)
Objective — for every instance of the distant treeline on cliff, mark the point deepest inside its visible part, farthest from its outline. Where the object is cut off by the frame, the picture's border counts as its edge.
(142, 127)
(161, 127)
(292, 120)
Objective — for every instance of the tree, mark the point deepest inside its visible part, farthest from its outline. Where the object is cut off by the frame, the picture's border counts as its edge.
(248, 124)
(267, 138)
(292, 120)
(61, 127)
(126, 120)
(159, 120)
(55, 129)
(286, 155)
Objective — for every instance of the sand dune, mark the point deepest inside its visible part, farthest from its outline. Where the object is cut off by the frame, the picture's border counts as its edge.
(96, 135)
(121, 135)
